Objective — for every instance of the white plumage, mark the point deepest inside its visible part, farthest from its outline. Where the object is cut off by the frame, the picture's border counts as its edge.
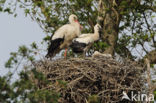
(84, 41)
(97, 54)
(63, 37)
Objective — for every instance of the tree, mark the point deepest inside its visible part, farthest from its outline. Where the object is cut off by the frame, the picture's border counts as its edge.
(128, 25)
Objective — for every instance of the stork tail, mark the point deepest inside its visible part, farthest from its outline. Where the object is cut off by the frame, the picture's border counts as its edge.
(54, 47)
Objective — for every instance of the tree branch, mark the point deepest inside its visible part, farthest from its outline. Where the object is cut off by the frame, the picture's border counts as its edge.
(44, 12)
(148, 27)
(149, 76)
(151, 56)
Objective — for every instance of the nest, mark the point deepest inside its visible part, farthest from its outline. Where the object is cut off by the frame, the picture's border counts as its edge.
(92, 80)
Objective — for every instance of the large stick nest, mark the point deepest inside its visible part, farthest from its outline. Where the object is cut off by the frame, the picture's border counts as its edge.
(99, 79)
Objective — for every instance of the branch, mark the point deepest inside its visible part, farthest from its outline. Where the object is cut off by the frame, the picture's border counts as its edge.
(142, 44)
(147, 7)
(43, 10)
(134, 20)
(148, 27)
(151, 56)
(148, 76)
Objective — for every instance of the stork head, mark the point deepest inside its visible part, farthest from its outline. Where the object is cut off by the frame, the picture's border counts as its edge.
(98, 28)
(73, 19)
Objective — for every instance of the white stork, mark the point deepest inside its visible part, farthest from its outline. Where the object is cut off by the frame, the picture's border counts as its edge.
(63, 37)
(84, 41)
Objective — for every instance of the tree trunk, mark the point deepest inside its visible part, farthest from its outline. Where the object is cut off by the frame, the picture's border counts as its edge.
(110, 30)
(151, 56)
(110, 20)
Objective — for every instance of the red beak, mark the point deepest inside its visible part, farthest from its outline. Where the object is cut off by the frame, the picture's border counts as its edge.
(76, 21)
(81, 27)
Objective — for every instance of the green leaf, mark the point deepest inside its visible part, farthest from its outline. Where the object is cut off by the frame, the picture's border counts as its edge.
(8, 10)
(27, 11)
(34, 45)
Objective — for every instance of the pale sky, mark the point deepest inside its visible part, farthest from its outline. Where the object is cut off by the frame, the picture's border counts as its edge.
(15, 32)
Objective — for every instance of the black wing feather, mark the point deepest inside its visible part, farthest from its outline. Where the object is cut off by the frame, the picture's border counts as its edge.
(78, 47)
(54, 47)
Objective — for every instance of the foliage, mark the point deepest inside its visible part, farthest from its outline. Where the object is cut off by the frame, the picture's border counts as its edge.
(26, 88)
(25, 91)
(139, 28)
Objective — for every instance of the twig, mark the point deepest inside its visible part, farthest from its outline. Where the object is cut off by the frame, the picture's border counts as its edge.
(149, 76)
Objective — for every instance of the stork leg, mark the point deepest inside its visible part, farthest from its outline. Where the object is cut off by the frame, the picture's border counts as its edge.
(86, 50)
(65, 53)
(84, 53)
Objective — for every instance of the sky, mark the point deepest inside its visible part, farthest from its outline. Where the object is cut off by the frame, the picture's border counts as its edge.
(15, 32)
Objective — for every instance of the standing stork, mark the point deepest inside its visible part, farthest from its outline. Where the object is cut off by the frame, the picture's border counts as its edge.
(63, 37)
(85, 41)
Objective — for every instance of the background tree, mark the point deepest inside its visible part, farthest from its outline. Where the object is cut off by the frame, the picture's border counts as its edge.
(128, 25)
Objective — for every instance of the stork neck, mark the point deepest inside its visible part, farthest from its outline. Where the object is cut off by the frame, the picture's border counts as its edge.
(96, 35)
(75, 24)
(71, 22)
(96, 32)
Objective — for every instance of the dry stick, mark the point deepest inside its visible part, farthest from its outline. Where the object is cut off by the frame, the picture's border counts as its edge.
(148, 77)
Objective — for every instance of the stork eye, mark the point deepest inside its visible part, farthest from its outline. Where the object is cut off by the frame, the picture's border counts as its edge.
(99, 27)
